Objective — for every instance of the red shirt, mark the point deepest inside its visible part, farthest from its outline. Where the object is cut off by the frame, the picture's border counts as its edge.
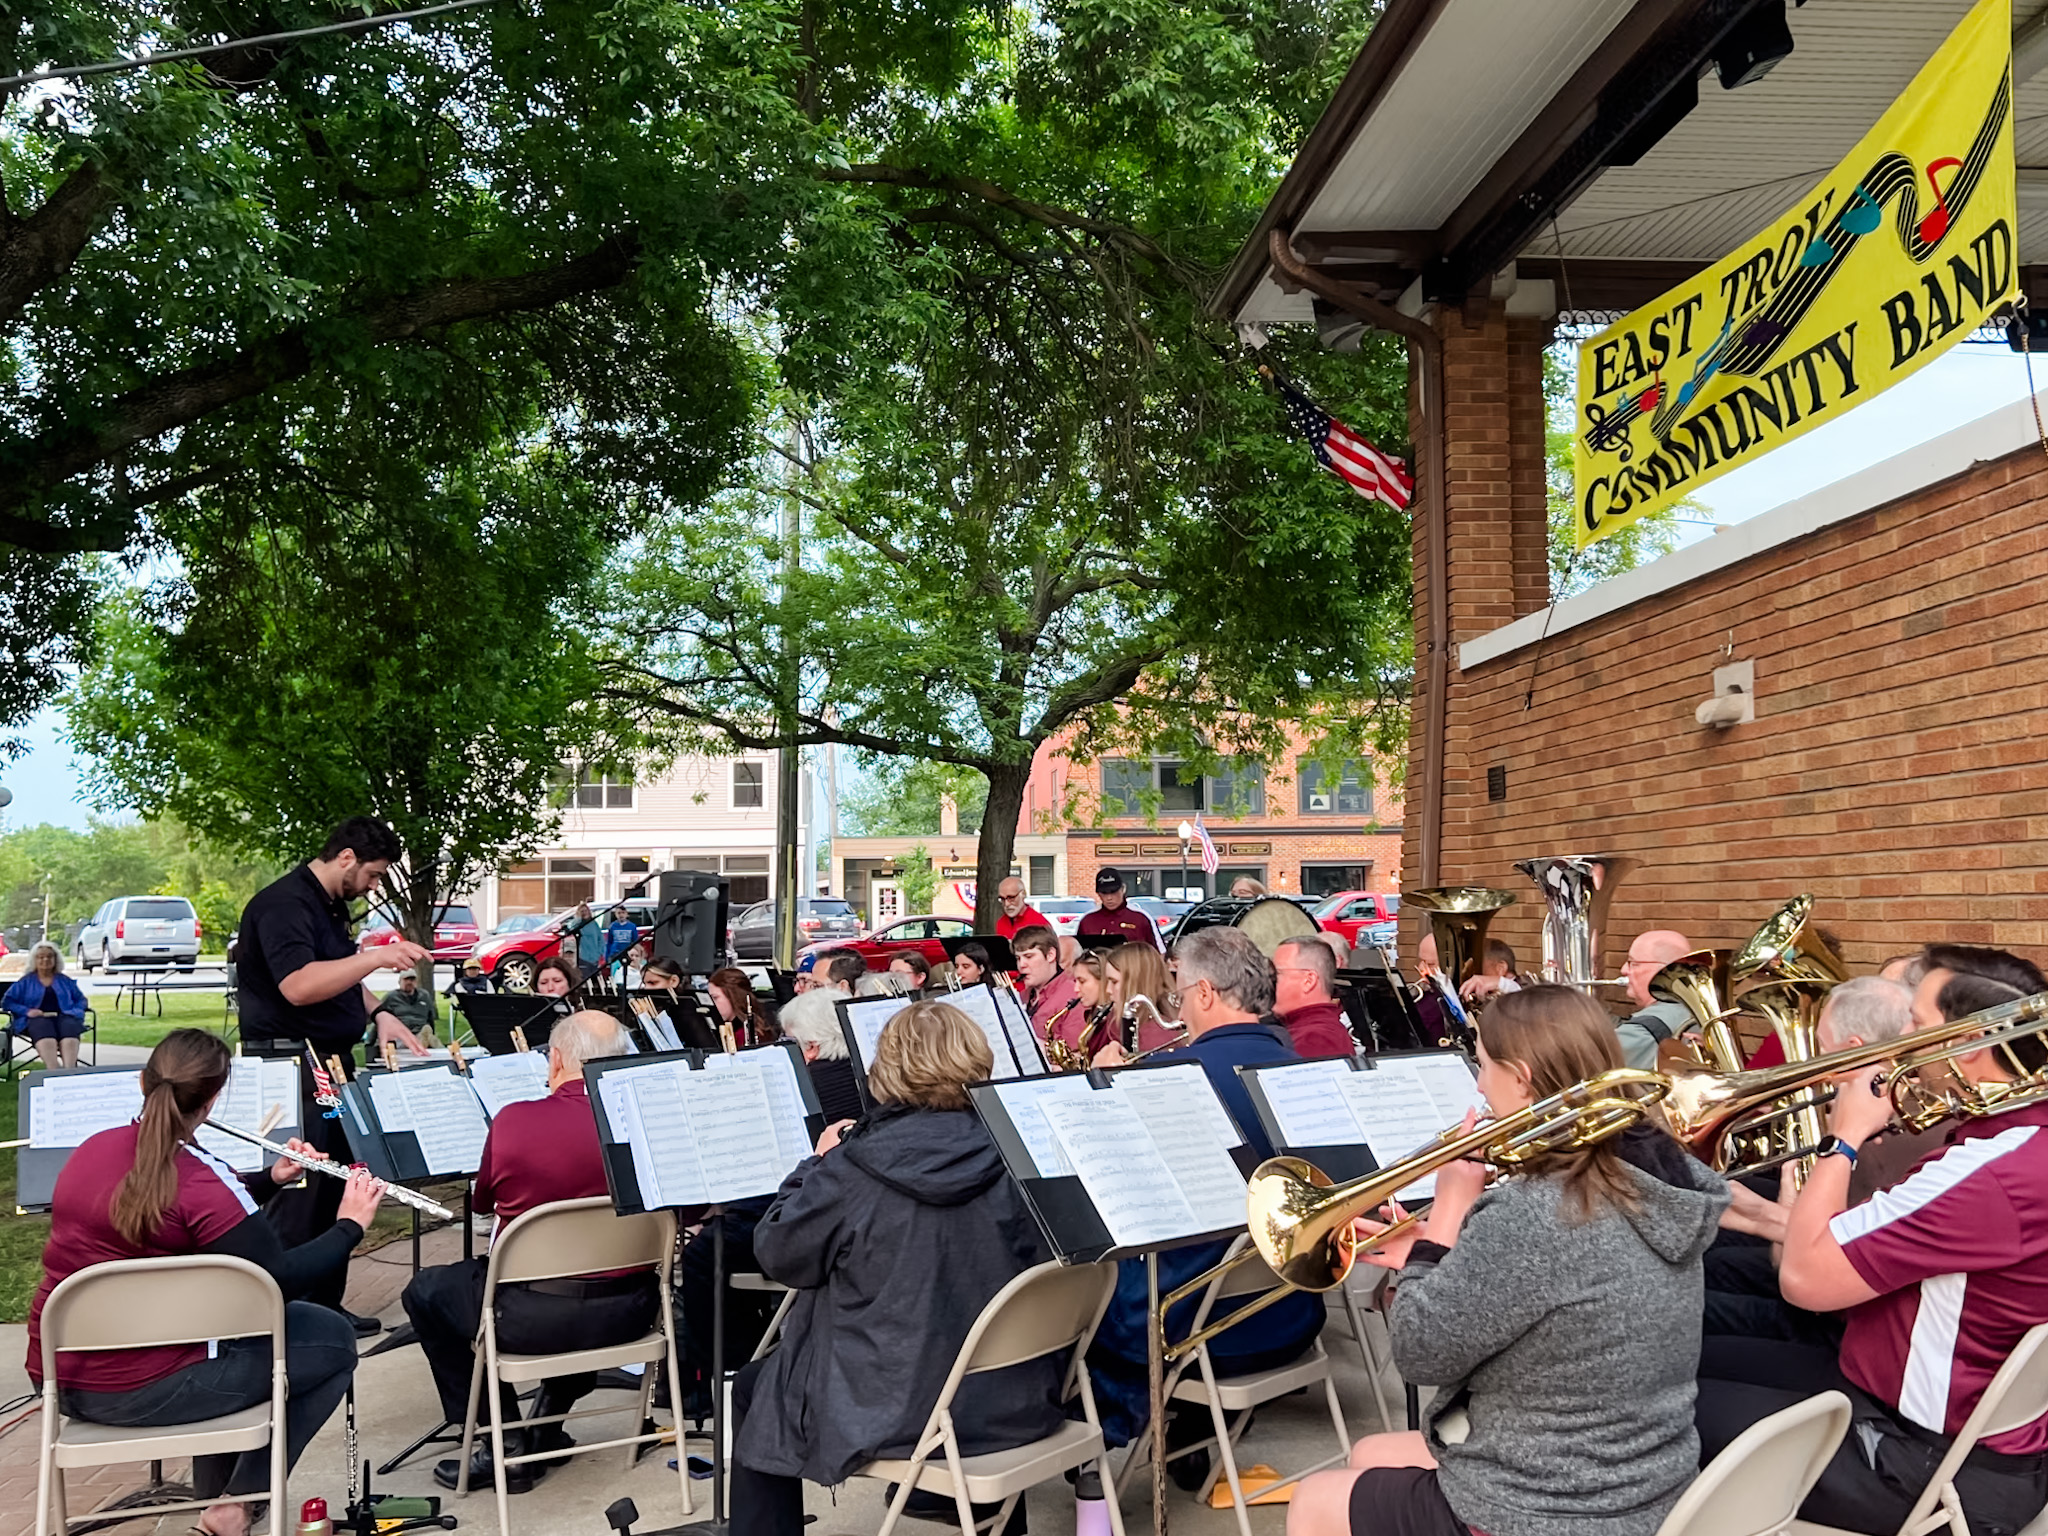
(210, 1202)
(1318, 1029)
(1008, 926)
(538, 1151)
(1959, 1255)
(1056, 1011)
(1126, 922)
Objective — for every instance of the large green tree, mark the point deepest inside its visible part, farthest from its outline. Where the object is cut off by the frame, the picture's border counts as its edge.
(1041, 491)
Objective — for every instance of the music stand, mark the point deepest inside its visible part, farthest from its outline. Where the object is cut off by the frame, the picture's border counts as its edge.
(1100, 943)
(1001, 957)
(492, 1016)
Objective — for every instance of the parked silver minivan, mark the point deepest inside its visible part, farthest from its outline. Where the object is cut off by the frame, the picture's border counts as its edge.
(140, 930)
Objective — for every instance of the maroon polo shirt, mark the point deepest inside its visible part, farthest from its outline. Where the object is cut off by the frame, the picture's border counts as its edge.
(210, 1202)
(1126, 922)
(539, 1151)
(1318, 1029)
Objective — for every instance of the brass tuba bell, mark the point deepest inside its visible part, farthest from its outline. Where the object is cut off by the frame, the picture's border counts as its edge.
(1458, 917)
(1576, 889)
(1785, 973)
(1700, 982)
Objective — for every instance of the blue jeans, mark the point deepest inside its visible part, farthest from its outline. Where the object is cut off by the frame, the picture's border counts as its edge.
(319, 1363)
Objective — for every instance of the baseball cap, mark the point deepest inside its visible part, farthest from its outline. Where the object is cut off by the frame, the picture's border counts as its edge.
(805, 962)
(1108, 880)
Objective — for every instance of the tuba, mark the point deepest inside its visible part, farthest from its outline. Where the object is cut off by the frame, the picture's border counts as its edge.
(1458, 917)
(1785, 973)
(1700, 982)
(1576, 889)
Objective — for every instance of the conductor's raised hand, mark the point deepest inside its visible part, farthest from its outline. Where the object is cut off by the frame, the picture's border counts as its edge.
(359, 1198)
(400, 955)
(389, 1028)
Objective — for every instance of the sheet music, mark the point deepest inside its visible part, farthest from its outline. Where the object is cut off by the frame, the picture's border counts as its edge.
(1308, 1104)
(1397, 1116)
(65, 1108)
(869, 1016)
(735, 1133)
(1025, 1103)
(663, 1031)
(979, 1004)
(1024, 1044)
(388, 1097)
(1182, 1119)
(499, 1081)
(672, 1175)
(777, 1074)
(1449, 1084)
(447, 1119)
(1182, 1091)
(622, 1118)
(1126, 1178)
(253, 1086)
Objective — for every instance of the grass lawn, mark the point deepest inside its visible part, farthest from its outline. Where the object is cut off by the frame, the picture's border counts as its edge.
(196, 1010)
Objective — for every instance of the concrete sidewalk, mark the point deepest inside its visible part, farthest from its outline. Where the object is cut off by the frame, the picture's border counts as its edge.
(395, 1402)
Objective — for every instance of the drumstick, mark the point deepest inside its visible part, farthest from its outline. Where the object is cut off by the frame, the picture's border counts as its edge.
(272, 1118)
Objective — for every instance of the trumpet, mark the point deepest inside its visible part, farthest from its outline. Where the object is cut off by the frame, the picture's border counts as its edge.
(398, 1192)
(1717, 1113)
(1301, 1223)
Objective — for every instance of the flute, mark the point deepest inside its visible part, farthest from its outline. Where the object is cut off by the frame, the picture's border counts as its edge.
(398, 1192)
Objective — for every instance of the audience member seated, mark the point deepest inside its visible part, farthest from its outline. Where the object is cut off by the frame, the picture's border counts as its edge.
(413, 1006)
(895, 1236)
(1226, 1002)
(1306, 997)
(47, 1007)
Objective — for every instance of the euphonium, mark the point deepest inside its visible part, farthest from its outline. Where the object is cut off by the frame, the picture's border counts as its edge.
(1458, 917)
(1790, 969)
(1699, 982)
(1711, 1111)
(1576, 889)
(1300, 1222)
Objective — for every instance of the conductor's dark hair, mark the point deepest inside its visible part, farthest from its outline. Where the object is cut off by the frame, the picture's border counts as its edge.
(364, 836)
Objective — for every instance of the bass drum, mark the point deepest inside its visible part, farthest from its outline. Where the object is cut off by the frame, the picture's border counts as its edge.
(1266, 920)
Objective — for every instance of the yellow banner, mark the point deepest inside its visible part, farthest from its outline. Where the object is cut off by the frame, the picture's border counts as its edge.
(1903, 250)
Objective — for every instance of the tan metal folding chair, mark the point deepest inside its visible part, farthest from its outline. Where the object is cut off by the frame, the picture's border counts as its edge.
(2017, 1395)
(1757, 1483)
(749, 1280)
(1048, 1308)
(147, 1303)
(566, 1240)
(1193, 1379)
(1364, 1318)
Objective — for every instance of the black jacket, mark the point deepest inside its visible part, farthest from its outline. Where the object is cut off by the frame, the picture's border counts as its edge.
(894, 1241)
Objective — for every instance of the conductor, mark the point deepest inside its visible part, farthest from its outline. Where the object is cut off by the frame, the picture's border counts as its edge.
(303, 994)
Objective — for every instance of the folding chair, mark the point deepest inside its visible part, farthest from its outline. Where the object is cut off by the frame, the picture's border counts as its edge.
(1360, 1318)
(560, 1241)
(1226, 1395)
(1757, 1483)
(145, 1303)
(18, 1053)
(2018, 1395)
(1048, 1308)
(748, 1280)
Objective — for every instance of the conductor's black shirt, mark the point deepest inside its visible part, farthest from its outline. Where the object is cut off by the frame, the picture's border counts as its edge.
(291, 923)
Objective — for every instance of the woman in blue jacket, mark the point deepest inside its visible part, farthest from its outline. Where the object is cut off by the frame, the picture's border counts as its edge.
(47, 1009)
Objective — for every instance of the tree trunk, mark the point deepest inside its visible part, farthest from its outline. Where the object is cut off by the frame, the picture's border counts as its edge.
(1006, 785)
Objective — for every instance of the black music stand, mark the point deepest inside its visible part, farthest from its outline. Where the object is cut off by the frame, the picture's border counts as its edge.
(1001, 957)
(492, 1016)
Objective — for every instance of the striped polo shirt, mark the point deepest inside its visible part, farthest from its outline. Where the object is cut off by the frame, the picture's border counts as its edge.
(1958, 1253)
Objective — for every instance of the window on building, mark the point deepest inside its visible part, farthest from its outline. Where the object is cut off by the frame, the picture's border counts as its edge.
(1346, 794)
(1176, 793)
(1042, 866)
(1238, 788)
(748, 785)
(746, 878)
(633, 864)
(1329, 879)
(571, 881)
(599, 791)
(1124, 786)
(523, 888)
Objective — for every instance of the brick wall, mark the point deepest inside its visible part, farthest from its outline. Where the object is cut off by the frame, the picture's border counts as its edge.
(1895, 770)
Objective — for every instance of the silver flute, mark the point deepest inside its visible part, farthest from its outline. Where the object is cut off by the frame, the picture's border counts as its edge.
(333, 1170)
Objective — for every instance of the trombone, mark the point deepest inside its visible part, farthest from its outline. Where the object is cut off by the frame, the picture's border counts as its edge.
(1715, 1113)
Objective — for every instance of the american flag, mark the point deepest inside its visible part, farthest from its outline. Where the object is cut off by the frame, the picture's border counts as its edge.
(1345, 454)
(1209, 858)
(323, 1084)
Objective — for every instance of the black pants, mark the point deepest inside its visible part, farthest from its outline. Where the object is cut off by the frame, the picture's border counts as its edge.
(1882, 1464)
(747, 1313)
(1743, 1298)
(764, 1504)
(446, 1303)
(300, 1215)
(319, 1361)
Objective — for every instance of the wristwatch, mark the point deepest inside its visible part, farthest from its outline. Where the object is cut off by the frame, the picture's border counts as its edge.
(1830, 1145)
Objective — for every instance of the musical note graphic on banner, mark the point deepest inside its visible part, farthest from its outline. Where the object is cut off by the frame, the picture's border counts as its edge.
(1935, 225)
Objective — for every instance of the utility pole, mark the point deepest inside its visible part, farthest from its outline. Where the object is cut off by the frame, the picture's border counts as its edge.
(787, 884)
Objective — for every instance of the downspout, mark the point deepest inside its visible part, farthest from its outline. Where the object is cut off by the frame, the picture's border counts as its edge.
(1425, 344)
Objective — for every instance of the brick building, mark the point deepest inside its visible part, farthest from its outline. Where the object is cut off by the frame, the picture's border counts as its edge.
(1484, 161)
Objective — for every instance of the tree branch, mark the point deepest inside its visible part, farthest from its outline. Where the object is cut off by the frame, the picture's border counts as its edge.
(29, 468)
(1058, 219)
(35, 251)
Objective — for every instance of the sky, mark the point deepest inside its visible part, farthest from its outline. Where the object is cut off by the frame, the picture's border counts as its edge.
(1967, 382)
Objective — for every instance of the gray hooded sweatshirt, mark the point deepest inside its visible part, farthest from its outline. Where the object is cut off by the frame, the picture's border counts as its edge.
(1572, 1349)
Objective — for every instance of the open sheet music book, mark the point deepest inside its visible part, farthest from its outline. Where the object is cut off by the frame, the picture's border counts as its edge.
(702, 1128)
(419, 1122)
(1146, 1157)
(1392, 1106)
(512, 1079)
(999, 1013)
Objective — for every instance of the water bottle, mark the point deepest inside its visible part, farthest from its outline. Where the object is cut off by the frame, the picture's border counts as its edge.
(1091, 1510)
(313, 1519)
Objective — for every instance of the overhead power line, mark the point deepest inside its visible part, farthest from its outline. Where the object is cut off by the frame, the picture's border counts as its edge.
(356, 24)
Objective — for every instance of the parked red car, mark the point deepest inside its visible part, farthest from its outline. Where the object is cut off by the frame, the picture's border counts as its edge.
(455, 933)
(512, 959)
(918, 933)
(1349, 912)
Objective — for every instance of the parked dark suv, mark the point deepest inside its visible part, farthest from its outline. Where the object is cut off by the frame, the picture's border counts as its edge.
(818, 918)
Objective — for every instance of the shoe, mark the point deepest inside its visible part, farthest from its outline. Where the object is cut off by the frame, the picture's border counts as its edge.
(365, 1327)
(1189, 1472)
(518, 1479)
(550, 1437)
